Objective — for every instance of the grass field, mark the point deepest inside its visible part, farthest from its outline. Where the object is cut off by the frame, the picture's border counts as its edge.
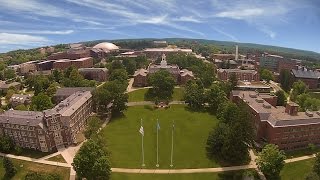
(139, 95)
(296, 170)
(196, 176)
(57, 158)
(190, 135)
(315, 95)
(23, 167)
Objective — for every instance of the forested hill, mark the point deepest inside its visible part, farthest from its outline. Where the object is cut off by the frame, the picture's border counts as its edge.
(198, 45)
(224, 46)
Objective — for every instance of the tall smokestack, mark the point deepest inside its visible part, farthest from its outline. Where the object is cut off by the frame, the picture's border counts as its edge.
(237, 53)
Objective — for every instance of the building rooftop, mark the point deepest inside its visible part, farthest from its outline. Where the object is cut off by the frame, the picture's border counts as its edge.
(68, 106)
(32, 118)
(142, 72)
(276, 116)
(67, 91)
(20, 97)
(167, 50)
(237, 71)
(92, 69)
(306, 74)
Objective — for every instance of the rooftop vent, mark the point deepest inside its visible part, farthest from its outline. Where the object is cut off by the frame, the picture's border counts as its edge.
(318, 112)
(259, 100)
(267, 106)
(309, 113)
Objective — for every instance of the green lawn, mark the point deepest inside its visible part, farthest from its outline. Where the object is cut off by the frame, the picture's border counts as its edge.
(33, 153)
(57, 158)
(191, 132)
(139, 95)
(23, 167)
(315, 95)
(194, 176)
(296, 170)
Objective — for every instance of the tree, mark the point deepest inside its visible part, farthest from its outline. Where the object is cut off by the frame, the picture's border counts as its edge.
(130, 65)
(119, 74)
(6, 144)
(312, 176)
(9, 94)
(194, 94)
(41, 102)
(91, 161)
(233, 81)
(230, 140)
(316, 165)
(9, 73)
(52, 89)
(119, 103)
(270, 161)
(215, 97)
(281, 98)
(285, 79)
(94, 124)
(21, 107)
(162, 84)
(9, 168)
(298, 88)
(267, 75)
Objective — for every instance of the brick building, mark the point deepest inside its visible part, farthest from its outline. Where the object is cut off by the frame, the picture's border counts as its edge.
(97, 74)
(283, 126)
(276, 63)
(309, 77)
(242, 75)
(78, 63)
(50, 129)
(20, 99)
(63, 93)
(180, 77)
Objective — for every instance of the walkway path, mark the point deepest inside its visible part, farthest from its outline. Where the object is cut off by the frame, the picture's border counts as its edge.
(251, 165)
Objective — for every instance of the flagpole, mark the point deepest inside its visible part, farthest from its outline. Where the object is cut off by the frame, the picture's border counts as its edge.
(142, 147)
(157, 143)
(171, 165)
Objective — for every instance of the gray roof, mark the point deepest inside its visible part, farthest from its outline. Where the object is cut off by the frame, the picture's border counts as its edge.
(142, 72)
(306, 74)
(276, 116)
(68, 106)
(237, 71)
(20, 97)
(92, 69)
(67, 91)
(32, 118)
(172, 69)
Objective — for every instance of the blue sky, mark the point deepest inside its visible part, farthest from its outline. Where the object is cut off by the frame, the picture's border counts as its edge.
(34, 23)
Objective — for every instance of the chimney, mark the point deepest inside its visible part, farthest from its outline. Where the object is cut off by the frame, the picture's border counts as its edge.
(237, 53)
(292, 108)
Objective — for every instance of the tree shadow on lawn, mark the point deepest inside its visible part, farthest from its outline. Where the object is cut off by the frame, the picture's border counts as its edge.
(224, 163)
(149, 107)
(194, 110)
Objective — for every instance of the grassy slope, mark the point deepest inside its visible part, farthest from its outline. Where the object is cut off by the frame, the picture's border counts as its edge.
(138, 95)
(191, 132)
(23, 167)
(57, 158)
(296, 170)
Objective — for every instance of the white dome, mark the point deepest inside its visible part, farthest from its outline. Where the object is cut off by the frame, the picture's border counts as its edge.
(106, 46)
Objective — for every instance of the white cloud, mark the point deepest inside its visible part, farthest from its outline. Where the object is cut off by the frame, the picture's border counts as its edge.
(61, 32)
(241, 13)
(42, 9)
(22, 39)
(187, 19)
(225, 34)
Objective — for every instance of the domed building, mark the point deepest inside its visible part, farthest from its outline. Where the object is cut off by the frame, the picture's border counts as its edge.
(100, 50)
(106, 46)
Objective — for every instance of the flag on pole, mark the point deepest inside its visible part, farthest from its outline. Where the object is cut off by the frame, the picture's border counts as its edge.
(141, 131)
(158, 125)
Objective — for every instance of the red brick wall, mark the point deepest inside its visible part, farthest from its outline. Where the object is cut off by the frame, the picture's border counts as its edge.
(311, 83)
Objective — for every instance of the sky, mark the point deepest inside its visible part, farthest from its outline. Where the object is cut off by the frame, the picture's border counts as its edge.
(34, 23)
